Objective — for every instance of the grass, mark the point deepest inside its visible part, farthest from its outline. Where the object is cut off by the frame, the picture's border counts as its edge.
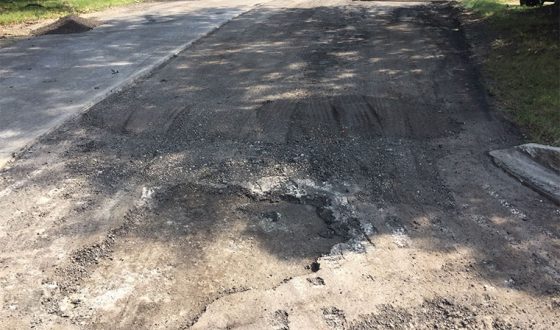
(22, 11)
(524, 64)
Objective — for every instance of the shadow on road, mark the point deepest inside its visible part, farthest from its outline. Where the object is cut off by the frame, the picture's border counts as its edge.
(273, 139)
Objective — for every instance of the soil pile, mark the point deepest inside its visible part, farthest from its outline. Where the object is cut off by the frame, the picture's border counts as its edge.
(66, 25)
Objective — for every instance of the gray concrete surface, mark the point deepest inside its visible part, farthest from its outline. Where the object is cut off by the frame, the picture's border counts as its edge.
(537, 166)
(548, 156)
(46, 80)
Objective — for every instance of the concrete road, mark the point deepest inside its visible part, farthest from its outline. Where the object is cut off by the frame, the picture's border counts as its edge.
(47, 80)
(311, 165)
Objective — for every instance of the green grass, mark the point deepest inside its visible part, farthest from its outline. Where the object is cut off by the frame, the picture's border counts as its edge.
(524, 65)
(20, 11)
(485, 7)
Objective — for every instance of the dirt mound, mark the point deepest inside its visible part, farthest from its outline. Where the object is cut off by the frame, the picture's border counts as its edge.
(67, 24)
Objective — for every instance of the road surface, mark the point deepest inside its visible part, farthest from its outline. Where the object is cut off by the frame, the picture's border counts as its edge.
(47, 80)
(309, 165)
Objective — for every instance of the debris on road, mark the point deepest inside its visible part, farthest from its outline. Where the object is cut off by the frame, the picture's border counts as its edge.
(67, 25)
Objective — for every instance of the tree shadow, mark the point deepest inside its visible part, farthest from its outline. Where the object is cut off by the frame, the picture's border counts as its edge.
(209, 149)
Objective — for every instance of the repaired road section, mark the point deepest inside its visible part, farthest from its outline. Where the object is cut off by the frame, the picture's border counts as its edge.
(311, 165)
(48, 79)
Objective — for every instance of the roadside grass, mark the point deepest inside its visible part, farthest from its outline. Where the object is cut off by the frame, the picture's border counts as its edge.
(524, 64)
(22, 11)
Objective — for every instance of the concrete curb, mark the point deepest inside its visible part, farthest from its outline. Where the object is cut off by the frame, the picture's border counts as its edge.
(536, 166)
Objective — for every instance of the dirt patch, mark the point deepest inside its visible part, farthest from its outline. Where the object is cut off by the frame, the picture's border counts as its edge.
(187, 224)
(67, 25)
(334, 317)
(439, 313)
(281, 320)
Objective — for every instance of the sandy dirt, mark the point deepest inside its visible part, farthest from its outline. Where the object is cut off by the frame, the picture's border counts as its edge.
(311, 165)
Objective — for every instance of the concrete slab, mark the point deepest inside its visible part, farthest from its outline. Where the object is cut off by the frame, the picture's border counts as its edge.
(46, 80)
(536, 166)
(547, 156)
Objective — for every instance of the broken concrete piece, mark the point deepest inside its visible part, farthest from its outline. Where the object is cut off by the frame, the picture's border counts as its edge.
(536, 166)
(546, 155)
